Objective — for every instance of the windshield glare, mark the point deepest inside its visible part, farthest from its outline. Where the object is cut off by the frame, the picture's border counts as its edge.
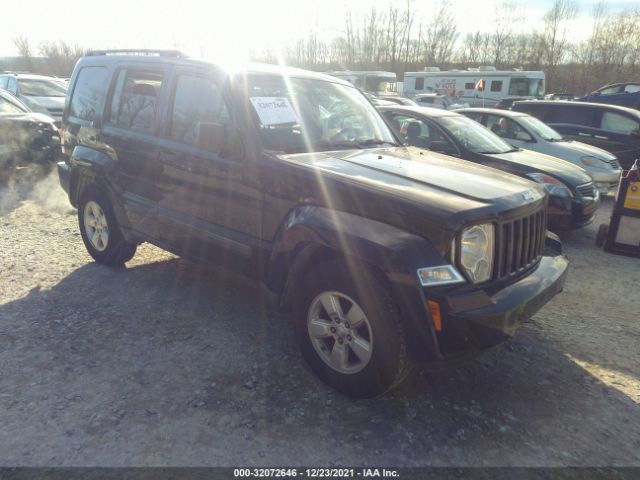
(41, 88)
(540, 128)
(297, 115)
(474, 136)
(9, 107)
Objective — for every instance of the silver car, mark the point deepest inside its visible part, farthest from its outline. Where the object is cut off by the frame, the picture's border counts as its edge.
(40, 93)
(524, 131)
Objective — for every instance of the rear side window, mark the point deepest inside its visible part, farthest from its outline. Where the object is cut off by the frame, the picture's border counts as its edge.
(420, 83)
(134, 99)
(197, 101)
(88, 93)
(574, 115)
(633, 88)
(496, 86)
(614, 122)
(3, 82)
(537, 110)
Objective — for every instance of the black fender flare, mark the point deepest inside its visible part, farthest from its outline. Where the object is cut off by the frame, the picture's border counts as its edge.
(310, 234)
(89, 166)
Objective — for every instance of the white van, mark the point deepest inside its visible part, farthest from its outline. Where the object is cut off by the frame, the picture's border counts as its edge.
(375, 82)
(465, 85)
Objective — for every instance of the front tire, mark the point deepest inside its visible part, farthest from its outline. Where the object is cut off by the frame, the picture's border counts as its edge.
(349, 330)
(100, 231)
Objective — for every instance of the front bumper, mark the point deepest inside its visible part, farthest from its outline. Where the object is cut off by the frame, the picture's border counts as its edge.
(477, 320)
(606, 181)
(567, 213)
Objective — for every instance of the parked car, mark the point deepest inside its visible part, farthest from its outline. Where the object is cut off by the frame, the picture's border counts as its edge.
(573, 198)
(524, 131)
(613, 128)
(25, 136)
(623, 94)
(436, 100)
(293, 178)
(42, 94)
(559, 96)
(399, 100)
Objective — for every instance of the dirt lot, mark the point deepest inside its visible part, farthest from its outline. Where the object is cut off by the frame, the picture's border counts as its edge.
(167, 363)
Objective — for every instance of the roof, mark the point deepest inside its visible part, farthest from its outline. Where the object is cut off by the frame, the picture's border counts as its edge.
(607, 106)
(31, 76)
(425, 111)
(494, 111)
(99, 58)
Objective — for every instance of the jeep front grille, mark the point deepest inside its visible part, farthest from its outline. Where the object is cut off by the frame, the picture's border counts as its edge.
(520, 243)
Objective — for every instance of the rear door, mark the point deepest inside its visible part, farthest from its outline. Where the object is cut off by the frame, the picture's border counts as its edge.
(209, 208)
(573, 121)
(619, 133)
(131, 132)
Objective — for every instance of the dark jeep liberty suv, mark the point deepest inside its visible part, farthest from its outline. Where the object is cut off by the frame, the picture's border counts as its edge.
(381, 251)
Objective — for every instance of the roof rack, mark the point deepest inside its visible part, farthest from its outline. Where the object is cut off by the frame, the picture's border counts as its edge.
(136, 51)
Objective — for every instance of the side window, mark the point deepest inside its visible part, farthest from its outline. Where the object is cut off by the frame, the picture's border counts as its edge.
(3, 82)
(419, 83)
(496, 86)
(88, 93)
(12, 85)
(611, 90)
(197, 103)
(614, 122)
(470, 86)
(506, 128)
(477, 117)
(134, 99)
(633, 88)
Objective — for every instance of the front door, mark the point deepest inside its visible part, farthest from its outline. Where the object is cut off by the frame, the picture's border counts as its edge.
(209, 207)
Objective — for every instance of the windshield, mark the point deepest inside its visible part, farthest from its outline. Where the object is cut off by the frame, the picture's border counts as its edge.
(7, 106)
(474, 136)
(41, 88)
(541, 129)
(526, 87)
(297, 115)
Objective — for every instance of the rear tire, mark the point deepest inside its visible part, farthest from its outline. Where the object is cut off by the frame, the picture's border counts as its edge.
(360, 347)
(100, 231)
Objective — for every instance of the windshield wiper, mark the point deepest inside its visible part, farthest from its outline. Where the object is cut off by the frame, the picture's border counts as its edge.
(350, 144)
(369, 142)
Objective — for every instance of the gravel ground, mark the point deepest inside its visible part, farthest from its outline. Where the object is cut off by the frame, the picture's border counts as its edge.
(167, 363)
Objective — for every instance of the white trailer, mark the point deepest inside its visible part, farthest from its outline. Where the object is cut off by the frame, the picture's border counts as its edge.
(375, 82)
(466, 86)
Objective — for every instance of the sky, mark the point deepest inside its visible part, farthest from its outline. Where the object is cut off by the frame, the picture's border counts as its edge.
(231, 28)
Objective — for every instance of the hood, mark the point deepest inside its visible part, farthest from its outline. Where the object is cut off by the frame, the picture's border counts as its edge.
(438, 185)
(582, 149)
(44, 103)
(539, 162)
(28, 117)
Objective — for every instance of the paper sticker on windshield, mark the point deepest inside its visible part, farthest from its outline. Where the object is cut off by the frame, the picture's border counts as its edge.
(274, 110)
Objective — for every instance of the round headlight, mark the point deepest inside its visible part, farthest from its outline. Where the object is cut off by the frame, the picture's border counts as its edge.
(476, 252)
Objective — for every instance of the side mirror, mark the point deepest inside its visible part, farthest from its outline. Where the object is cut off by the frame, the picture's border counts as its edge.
(219, 138)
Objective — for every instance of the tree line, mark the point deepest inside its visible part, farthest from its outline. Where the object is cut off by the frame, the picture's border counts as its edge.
(397, 39)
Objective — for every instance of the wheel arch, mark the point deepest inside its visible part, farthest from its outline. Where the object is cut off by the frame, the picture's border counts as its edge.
(311, 235)
(91, 168)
